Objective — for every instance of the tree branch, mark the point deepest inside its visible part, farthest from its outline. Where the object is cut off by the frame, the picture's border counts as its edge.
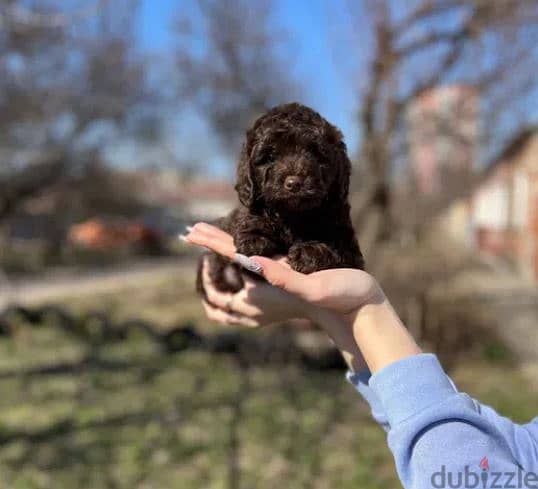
(424, 11)
(18, 15)
(40, 173)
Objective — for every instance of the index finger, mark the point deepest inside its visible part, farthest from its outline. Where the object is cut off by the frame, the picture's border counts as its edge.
(281, 275)
(220, 242)
(209, 229)
(214, 242)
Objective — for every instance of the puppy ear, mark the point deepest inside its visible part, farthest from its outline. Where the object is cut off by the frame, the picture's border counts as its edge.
(245, 181)
(334, 136)
(341, 164)
(344, 174)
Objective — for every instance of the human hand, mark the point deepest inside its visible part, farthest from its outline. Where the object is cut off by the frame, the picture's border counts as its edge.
(348, 303)
(343, 290)
(257, 303)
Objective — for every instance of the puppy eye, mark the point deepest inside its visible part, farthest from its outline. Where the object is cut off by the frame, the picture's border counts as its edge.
(314, 150)
(318, 154)
(266, 158)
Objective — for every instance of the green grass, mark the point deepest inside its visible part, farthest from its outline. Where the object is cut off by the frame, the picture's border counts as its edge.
(138, 419)
(161, 301)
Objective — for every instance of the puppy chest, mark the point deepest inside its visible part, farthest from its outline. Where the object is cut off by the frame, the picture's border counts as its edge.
(298, 233)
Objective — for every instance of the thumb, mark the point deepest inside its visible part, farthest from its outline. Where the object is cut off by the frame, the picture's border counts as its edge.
(283, 277)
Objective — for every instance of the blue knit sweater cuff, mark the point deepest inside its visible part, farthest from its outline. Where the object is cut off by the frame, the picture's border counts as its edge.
(409, 386)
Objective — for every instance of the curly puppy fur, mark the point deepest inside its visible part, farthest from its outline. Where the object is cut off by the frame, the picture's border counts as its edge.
(292, 183)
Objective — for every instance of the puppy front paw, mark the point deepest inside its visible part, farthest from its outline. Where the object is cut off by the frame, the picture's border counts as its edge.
(224, 276)
(255, 245)
(311, 257)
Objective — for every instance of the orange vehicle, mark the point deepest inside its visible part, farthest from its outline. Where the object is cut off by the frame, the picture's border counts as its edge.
(100, 235)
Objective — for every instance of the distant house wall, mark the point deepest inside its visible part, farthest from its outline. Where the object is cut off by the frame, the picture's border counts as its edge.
(187, 199)
(442, 132)
(504, 208)
(208, 209)
(454, 222)
(491, 205)
(532, 165)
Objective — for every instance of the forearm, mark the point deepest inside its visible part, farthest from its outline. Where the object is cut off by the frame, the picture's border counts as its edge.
(342, 336)
(358, 375)
(380, 334)
(373, 337)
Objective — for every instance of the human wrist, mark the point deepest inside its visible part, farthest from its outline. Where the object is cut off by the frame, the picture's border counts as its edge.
(381, 335)
(341, 334)
(374, 297)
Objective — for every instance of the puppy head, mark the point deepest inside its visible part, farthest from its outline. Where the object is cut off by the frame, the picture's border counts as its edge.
(293, 160)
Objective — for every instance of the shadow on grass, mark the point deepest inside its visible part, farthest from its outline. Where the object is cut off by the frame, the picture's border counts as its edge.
(76, 446)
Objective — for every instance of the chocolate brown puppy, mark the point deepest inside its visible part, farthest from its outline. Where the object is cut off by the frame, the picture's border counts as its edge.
(293, 184)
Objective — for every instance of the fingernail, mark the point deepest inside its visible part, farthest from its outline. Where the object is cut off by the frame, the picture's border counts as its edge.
(182, 237)
(257, 268)
(189, 229)
(248, 264)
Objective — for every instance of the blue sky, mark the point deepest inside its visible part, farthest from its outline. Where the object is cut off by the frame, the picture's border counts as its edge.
(317, 40)
(321, 39)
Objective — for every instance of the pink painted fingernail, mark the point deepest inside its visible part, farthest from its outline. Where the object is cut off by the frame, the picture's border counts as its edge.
(248, 264)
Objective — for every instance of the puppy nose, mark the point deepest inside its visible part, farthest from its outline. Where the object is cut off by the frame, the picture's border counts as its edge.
(292, 183)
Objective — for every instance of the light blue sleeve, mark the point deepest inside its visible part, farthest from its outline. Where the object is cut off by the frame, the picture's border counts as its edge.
(360, 381)
(439, 436)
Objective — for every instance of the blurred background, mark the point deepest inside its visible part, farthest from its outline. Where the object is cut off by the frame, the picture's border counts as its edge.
(120, 123)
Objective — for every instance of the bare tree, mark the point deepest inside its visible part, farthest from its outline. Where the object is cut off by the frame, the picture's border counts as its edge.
(230, 64)
(418, 49)
(61, 73)
(489, 46)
